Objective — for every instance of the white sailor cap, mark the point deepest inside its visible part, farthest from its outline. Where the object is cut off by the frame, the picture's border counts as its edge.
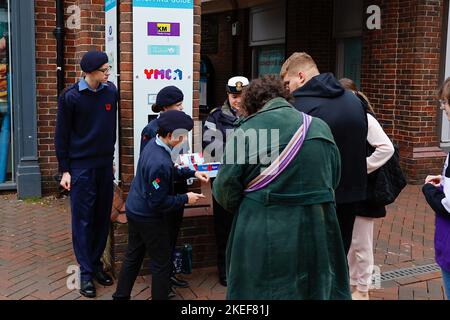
(236, 84)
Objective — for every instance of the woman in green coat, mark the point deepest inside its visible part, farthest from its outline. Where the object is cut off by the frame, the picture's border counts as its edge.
(285, 241)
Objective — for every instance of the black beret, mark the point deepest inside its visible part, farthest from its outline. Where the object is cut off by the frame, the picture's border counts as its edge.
(171, 120)
(168, 96)
(93, 60)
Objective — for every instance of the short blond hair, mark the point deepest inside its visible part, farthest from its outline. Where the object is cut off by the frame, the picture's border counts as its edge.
(298, 61)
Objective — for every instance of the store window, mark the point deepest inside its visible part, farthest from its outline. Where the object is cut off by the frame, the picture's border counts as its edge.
(269, 59)
(6, 115)
(349, 59)
(348, 25)
(445, 125)
(267, 38)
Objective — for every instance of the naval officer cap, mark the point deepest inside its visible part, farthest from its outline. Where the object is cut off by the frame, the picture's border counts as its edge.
(93, 60)
(237, 84)
(172, 120)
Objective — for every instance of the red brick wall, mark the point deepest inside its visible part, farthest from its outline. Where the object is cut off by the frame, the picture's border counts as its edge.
(197, 231)
(400, 74)
(91, 35)
(309, 28)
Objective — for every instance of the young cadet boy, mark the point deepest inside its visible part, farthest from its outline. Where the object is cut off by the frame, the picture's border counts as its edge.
(150, 201)
(84, 143)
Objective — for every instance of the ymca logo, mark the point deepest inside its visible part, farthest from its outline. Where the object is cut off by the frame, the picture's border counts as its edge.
(166, 29)
(164, 74)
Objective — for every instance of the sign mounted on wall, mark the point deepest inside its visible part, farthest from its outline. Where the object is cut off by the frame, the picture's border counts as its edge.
(163, 51)
(111, 51)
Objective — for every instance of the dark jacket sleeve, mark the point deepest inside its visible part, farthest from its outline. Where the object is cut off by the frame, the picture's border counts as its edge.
(434, 197)
(160, 198)
(209, 131)
(184, 173)
(145, 138)
(62, 133)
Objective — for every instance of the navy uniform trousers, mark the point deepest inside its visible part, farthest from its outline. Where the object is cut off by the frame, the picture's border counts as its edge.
(175, 219)
(91, 196)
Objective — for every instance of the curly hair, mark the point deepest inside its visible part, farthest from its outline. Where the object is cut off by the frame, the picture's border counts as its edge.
(262, 90)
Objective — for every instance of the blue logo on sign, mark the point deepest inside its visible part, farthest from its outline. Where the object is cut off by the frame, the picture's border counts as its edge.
(163, 50)
(110, 30)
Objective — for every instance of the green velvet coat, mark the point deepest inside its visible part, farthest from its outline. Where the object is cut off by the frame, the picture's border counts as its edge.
(285, 241)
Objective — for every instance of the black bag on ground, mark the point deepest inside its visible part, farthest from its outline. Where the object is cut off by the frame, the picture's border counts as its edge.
(385, 184)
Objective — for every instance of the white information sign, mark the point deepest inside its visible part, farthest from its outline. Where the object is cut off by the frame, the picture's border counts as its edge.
(111, 51)
(163, 49)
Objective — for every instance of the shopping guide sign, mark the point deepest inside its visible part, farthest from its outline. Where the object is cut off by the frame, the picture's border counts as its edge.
(163, 44)
(111, 51)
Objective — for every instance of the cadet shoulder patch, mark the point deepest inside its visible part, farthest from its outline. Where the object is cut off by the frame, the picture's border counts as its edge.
(155, 183)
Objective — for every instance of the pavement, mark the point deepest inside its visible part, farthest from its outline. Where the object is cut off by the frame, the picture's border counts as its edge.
(37, 261)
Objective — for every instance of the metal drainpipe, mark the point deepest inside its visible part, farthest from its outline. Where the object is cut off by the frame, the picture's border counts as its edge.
(59, 34)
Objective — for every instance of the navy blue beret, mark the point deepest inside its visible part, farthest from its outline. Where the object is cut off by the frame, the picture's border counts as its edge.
(93, 60)
(171, 120)
(168, 96)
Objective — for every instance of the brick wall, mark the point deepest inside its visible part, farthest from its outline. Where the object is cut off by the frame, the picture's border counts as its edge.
(400, 74)
(77, 41)
(309, 28)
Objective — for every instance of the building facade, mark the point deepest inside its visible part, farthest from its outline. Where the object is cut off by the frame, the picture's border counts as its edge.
(395, 50)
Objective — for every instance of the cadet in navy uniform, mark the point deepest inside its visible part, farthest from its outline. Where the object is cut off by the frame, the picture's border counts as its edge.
(84, 143)
(169, 98)
(151, 202)
(220, 120)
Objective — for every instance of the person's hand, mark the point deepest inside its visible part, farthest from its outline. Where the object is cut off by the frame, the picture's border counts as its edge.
(194, 197)
(434, 180)
(202, 176)
(65, 181)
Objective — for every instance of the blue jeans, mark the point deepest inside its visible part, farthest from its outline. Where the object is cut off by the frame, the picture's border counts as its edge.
(446, 280)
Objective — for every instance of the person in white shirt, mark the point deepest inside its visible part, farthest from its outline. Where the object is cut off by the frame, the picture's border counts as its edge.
(360, 257)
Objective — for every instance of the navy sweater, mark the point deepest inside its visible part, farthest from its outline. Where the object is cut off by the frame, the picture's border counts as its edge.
(152, 191)
(86, 128)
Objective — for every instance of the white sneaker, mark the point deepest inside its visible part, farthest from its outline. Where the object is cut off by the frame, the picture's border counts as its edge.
(359, 295)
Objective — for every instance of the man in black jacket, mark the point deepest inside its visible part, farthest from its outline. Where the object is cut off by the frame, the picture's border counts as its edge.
(321, 96)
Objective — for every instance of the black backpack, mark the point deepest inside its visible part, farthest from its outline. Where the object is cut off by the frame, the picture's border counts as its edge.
(385, 184)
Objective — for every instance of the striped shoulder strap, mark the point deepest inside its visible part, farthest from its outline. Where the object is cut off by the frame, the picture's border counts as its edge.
(283, 160)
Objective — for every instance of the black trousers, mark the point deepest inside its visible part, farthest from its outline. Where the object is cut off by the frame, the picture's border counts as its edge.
(175, 219)
(153, 239)
(222, 227)
(346, 214)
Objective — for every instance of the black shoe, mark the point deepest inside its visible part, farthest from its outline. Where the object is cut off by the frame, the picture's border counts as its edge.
(223, 281)
(104, 279)
(115, 297)
(176, 282)
(88, 289)
(172, 293)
